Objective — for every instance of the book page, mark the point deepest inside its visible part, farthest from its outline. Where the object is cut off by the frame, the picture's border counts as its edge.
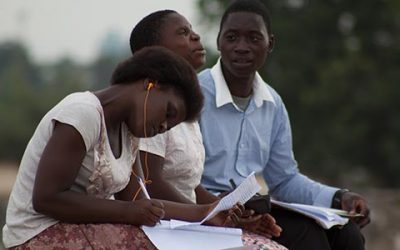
(242, 193)
(323, 216)
(177, 224)
(196, 238)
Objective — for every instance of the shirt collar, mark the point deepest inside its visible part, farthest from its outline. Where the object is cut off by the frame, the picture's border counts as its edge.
(223, 96)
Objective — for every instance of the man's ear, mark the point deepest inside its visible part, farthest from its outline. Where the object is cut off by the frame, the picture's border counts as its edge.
(271, 43)
(218, 48)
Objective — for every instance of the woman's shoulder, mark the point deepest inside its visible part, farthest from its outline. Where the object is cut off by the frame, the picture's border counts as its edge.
(79, 105)
(81, 110)
(85, 98)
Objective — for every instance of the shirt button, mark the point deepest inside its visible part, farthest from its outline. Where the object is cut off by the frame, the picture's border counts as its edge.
(242, 145)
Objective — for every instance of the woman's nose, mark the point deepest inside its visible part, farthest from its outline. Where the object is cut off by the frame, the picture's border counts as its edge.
(194, 36)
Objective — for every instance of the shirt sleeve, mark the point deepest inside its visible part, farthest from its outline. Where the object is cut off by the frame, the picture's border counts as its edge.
(156, 145)
(284, 180)
(85, 118)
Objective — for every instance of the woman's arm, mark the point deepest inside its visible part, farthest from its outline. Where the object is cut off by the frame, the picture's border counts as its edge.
(186, 212)
(173, 210)
(159, 188)
(203, 196)
(58, 167)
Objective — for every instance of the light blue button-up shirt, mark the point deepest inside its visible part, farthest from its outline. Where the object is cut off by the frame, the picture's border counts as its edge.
(258, 139)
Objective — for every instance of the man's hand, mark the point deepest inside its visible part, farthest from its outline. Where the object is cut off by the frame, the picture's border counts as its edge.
(238, 216)
(263, 224)
(225, 218)
(355, 203)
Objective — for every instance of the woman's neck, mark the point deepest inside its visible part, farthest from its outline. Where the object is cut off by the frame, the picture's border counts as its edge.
(111, 100)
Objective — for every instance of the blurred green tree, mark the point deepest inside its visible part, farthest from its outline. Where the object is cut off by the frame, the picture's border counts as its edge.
(27, 92)
(113, 49)
(19, 85)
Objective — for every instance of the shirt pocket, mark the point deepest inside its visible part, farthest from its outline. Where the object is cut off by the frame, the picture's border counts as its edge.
(218, 140)
(258, 155)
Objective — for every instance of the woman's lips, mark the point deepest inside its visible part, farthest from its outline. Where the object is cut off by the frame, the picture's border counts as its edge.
(200, 51)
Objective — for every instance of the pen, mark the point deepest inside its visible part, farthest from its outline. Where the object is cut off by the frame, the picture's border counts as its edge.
(233, 184)
(146, 194)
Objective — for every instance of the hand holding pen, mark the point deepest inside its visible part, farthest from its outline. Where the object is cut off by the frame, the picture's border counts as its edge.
(148, 211)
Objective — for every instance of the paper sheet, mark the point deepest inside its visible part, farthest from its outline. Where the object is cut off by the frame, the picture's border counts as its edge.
(198, 237)
(242, 193)
(178, 235)
(212, 229)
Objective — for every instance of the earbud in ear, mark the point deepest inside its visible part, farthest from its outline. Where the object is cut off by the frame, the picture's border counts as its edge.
(150, 86)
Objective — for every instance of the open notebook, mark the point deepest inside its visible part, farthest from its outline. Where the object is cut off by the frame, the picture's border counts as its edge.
(326, 217)
(176, 234)
(167, 236)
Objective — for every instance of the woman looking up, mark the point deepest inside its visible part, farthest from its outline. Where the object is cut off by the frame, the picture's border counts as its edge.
(174, 161)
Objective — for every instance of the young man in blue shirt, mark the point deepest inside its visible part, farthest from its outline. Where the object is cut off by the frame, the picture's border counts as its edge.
(245, 128)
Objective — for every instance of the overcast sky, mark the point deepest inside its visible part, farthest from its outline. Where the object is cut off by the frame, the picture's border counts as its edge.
(53, 28)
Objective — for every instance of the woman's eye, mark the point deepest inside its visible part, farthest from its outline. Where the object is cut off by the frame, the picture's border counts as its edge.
(184, 31)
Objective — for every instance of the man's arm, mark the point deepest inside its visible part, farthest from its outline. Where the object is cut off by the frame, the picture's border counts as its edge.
(282, 175)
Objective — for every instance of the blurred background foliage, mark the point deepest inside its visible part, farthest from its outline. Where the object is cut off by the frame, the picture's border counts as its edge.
(335, 64)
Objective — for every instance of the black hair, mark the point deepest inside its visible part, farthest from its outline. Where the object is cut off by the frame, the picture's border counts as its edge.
(165, 68)
(253, 6)
(147, 31)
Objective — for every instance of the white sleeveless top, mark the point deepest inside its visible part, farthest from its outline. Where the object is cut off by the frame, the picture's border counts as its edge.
(183, 152)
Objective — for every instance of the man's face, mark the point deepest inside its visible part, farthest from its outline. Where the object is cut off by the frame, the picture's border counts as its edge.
(243, 43)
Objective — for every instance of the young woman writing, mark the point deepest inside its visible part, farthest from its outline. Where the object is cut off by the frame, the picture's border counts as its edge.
(82, 154)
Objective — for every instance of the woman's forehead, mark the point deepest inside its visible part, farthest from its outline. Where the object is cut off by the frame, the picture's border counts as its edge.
(174, 20)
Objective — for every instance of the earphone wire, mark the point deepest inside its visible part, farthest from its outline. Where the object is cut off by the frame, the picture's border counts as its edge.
(146, 177)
